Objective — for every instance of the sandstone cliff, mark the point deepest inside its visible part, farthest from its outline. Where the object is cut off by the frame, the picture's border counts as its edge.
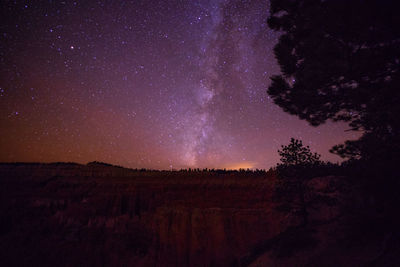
(68, 214)
(98, 215)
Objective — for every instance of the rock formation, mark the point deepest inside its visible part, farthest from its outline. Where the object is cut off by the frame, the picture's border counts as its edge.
(68, 214)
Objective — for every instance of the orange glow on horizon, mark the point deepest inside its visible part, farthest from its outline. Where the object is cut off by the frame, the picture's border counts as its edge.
(241, 165)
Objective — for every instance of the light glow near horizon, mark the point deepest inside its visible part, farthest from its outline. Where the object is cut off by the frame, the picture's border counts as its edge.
(149, 85)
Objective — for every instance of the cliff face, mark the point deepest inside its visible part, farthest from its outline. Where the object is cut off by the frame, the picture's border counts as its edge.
(99, 215)
(69, 215)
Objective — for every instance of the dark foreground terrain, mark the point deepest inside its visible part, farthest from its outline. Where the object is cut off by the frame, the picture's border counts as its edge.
(67, 214)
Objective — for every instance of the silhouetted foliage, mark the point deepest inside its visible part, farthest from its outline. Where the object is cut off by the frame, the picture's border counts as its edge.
(340, 60)
(297, 154)
(298, 166)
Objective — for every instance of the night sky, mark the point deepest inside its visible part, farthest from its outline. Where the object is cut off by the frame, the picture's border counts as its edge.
(146, 84)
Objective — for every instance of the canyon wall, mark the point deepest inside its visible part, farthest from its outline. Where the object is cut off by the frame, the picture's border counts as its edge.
(71, 214)
(67, 214)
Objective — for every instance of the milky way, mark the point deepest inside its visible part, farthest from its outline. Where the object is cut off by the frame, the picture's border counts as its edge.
(154, 84)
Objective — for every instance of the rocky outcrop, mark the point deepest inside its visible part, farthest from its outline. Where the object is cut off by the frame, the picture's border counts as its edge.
(101, 215)
(65, 215)
(336, 234)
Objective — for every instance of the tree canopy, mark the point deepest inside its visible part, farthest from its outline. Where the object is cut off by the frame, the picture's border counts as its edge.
(296, 153)
(340, 60)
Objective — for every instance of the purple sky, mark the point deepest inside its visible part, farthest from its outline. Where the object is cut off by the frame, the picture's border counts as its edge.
(154, 84)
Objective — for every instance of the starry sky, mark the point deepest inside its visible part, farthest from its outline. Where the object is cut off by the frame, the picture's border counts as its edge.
(145, 84)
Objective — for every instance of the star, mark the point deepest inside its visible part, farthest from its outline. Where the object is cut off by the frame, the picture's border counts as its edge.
(144, 85)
